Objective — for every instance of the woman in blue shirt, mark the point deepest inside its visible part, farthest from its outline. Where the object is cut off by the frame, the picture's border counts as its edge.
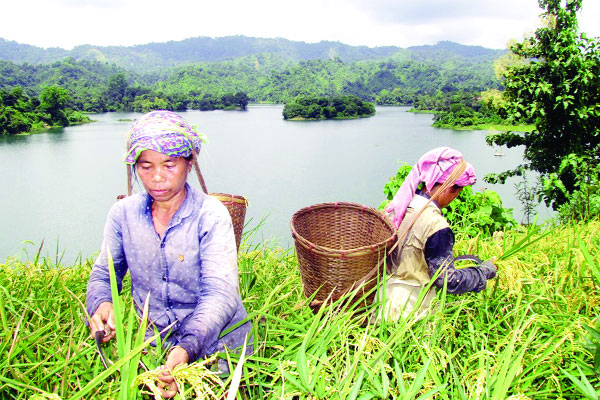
(177, 244)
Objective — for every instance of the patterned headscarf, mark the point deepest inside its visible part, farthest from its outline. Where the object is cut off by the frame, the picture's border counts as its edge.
(433, 167)
(164, 132)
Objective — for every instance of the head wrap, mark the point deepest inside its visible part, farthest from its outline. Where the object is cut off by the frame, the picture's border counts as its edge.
(164, 132)
(433, 167)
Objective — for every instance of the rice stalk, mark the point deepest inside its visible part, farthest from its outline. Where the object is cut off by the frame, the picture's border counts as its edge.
(522, 338)
(198, 376)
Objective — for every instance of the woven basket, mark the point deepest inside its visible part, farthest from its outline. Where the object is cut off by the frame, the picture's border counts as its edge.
(236, 205)
(339, 245)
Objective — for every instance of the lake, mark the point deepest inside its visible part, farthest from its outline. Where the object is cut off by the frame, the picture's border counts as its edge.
(58, 185)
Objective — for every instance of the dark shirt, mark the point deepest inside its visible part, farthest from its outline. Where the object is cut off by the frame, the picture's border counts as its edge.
(438, 254)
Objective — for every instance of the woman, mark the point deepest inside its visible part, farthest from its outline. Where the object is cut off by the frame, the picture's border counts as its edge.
(426, 250)
(178, 245)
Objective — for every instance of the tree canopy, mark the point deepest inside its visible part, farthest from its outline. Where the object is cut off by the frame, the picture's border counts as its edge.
(554, 81)
(20, 113)
(336, 107)
(425, 77)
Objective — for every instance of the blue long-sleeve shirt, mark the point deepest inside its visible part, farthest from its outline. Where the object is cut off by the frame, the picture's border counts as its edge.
(190, 273)
(438, 254)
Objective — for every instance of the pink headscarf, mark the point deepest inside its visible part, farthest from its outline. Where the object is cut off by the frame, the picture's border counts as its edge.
(433, 167)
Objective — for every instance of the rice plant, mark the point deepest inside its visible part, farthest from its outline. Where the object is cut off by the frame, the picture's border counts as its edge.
(532, 334)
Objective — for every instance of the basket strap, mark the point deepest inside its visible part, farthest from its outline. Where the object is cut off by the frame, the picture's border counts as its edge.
(456, 173)
(129, 172)
(198, 172)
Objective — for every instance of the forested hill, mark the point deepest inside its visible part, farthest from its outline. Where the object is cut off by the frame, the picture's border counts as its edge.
(110, 79)
(446, 50)
(154, 56)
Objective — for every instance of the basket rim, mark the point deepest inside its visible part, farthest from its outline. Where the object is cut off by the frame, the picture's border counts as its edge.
(336, 253)
(230, 198)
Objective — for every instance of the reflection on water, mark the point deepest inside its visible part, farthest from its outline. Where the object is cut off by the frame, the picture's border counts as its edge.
(14, 140)
(60, 184)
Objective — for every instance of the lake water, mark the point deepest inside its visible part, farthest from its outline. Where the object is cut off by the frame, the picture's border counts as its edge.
(57, 186)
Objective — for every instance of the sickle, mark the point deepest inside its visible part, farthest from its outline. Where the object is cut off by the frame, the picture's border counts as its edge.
(98, 336)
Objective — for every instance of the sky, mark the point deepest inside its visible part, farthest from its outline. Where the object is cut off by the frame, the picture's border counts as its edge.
(402, 23)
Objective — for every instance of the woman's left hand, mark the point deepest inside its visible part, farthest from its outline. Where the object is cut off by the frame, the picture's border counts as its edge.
(167, 384)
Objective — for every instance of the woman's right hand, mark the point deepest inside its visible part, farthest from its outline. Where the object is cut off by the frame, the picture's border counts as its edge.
(104, 320)
(490, 268)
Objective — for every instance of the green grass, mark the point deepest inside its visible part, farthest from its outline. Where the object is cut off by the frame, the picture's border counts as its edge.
(414, 110)
(493, 127)
(525, 337)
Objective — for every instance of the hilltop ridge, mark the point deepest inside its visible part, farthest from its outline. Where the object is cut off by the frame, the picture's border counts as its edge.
(153, 56)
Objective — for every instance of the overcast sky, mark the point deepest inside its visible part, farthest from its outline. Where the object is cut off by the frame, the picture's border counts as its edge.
(403, 23)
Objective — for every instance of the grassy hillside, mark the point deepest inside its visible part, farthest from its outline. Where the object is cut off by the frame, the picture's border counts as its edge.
(521, 338)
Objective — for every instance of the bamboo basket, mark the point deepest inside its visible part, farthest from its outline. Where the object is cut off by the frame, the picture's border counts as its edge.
(236, 205)
(340, 247)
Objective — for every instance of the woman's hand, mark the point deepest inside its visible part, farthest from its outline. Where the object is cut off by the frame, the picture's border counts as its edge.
(104, 320)
(490, 268)
(492, 261)
(177, 356)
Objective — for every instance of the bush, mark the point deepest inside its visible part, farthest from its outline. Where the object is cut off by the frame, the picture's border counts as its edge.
(13, 121)
(470, 213)
(473, 213)
(583, 204)
(77, 117)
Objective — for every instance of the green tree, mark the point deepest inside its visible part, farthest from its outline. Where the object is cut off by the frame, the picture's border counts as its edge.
(13, 121)
(116, 90)
(53, 100)
(319, 107)
(554, 82)
(584, 203)
(241, 100)
(228, 100)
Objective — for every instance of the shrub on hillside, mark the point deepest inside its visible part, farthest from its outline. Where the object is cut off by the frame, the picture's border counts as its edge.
(471, 213)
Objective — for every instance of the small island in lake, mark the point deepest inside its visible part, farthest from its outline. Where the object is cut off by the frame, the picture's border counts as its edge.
(318, 108)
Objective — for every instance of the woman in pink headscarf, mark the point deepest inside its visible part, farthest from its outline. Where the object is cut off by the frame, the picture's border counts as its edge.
(427, 247)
